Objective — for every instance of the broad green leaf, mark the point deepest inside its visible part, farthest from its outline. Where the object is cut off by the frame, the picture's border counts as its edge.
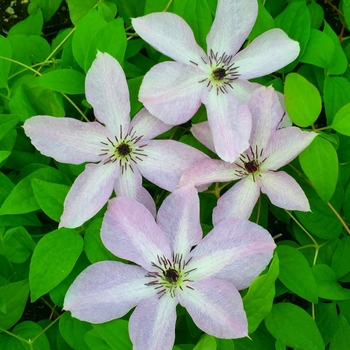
(115, 333)
(7, 122)
(68, 81)
(22, 199)
(156, 6)
(94, 341)
(319, 161)
(206, 343)
(53, 259)
(294, 326)
(53, 334)
(295, 273)
(5, 52)
(326, 320)
(328, 287)
(341, 122)
(302, 99)
(20, 105)
(258, 301)
(73, 331)
(263, 23)
(9, 342)
(78, 9)
(341, 257)
(341, 338)
(37, 48)
(134, 87)
(336, 95)
(130, 9)
(48, 7)
(30, 330)
(32, 25)
(316, 15)
(50, 197)
(346, 207)
(15, 296)
(108, 10)
(224, 344)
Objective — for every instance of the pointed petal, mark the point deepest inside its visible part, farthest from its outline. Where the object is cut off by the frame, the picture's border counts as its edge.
(145, 124)
(108, 93)
(106, 290)
(171, 91)
(234, 19)
(235, 250)
(89, 193)
(130, 232)
(208, 171)
(267, 113)
(267, 53)
(230, 124)
(238, 201)
(169, 34)
(178, 217)
(283, 191)
(129, 184)
(216, 308)
(152, 325)
(66, 139)
(166, 161)
(202, 133)
(284, 145)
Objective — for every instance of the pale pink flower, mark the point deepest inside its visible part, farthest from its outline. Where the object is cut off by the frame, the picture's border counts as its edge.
(204, 280)
(123, 150)
(173, 91)
(270, 148)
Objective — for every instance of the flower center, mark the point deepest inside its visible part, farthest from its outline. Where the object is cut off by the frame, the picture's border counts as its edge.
(170, 275)
(249, 163)
(125, 149)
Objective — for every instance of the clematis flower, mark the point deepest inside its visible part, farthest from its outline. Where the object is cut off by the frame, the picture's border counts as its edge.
(203, 280)
(173, 91)
(123, 149)
(270, 148)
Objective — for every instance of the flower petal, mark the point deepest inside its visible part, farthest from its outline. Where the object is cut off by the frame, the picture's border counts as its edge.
(89, 193)
(230, 124)
(234, 19)
(106, 290)
(129, 184)
(66, 139)
(238, 201)
(170, 35)
(235, 250)
(108, 93)
(267, 53)
(243, 89)
(171, 91)
(283, 191)
(202, 133)
(130, 232)
(178, 217)
(152, 325)
(216, 308)
(166, 161)
(208, 171)
(284, 145)
(145, 124)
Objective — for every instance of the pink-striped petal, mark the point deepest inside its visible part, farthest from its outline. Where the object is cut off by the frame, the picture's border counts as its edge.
(108, 93)
(202, 133)
(178, 217)
(152, 325)
(267, 53)
(66, 139)
(170, 35)
(216, 308)
(89, 193)
(243, 89)
(283, 191)
(171, 91)
(235, 250)
(233, 22)
(166, 161)
(238, 201)
(130, 232)
(106, 290)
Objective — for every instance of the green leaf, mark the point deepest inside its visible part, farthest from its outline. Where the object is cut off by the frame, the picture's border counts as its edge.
(295, 273)
(258, 301)
(328, 287)
(134, 87)
(15, 296)
(68, 81)
(94, 341)
(207, 342)
(319, 161)
(224, 344)
(302, 99)
(32, 25)
(263, 23)
(326, 320)
(294, 326)
(341, 339)
(5, 52)
(78, 9)
(341, 257)
(50, 197)
(7, 122)
(341, 122)
(53, 259)
(9, 342)
(48, 7)
(316, 15)
(30, 330)
(53, 335)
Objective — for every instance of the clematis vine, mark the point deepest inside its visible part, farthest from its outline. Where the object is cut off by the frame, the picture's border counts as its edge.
(123, 149)
(203, 280)
(270, 148)
(173, 91)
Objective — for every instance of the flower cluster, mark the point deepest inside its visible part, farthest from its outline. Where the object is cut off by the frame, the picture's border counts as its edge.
(246, 128)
